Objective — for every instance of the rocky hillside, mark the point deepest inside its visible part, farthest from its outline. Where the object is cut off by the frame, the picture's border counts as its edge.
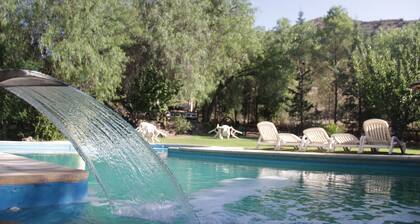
(375, 26)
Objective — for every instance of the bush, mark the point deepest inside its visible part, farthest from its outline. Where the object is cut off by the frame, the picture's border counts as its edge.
(46, 131)
(181, 124)
(332, 128)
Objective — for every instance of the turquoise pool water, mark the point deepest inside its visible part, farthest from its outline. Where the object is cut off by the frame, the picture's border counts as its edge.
(229, 190)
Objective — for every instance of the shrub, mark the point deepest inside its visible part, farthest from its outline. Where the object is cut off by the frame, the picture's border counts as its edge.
(181, 124)
(46, 131)
(332, 128)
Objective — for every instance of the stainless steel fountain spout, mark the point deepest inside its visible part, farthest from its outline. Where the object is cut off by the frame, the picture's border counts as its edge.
(20, 77)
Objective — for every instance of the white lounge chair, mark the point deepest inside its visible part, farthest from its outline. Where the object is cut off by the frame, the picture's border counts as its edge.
(289, 139)
(270, 136)
(377, 135)
(345, 140)
(317, 137)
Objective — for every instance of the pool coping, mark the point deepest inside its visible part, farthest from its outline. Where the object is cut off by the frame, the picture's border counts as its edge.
(26, 183)
(35, 147)
(279, 155)
(19, 170)
(54, 147)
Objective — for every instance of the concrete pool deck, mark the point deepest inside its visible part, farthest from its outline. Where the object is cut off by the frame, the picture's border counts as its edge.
(20, 170)
(26, 183)
(281, 155)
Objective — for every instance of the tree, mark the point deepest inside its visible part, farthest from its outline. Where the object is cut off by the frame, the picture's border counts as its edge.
(335, 42)
(173, 44)
(18, 49)
(304, 44)
(78, 43)
(275, 70)
(154, 94)
(386, 65)
(233, 44)
(351, 111)
(82, 43)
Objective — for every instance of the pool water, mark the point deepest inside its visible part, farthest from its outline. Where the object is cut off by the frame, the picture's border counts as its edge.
(232, 190)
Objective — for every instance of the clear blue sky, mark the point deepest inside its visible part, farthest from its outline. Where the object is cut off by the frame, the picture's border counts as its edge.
(269, 11)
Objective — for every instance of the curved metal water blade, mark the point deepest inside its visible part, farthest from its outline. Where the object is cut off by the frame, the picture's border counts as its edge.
(132, 176)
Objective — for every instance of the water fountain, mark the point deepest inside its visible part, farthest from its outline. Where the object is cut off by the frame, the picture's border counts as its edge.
(141, 185)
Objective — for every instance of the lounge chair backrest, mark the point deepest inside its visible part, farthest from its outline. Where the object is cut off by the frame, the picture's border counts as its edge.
(316, 135)
(268, 131)
(376, 131)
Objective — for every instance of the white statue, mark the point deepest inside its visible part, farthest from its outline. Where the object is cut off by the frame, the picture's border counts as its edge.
(149, 132)
(225, 131)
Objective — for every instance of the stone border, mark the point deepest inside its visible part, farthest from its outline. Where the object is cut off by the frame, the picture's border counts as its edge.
(35, 147)
(279, 155)
(18, 170)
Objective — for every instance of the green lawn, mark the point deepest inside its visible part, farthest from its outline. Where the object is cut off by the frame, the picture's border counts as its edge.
(249, 143)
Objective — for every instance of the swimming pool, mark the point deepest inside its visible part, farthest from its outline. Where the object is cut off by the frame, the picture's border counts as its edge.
(238, 190)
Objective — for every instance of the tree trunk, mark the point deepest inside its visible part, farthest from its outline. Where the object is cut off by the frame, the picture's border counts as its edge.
(335, 98)
(3, 131)
(301, 101)
(360, 118)
(208, 108)
(256, 109)
(207, 112)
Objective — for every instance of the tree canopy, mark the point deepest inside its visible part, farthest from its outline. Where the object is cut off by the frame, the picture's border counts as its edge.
(146, 57)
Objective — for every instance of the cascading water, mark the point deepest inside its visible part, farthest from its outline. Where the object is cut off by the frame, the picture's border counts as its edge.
(141, 185)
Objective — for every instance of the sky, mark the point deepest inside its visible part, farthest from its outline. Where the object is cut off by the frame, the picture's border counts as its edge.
(269, 11)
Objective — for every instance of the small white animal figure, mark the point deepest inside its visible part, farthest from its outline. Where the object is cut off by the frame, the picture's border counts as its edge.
(233, 132)
(225, 131)
(28, 139)
(149, 132)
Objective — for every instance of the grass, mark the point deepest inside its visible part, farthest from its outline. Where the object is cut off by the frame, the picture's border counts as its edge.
(250, 143)
(210, 141)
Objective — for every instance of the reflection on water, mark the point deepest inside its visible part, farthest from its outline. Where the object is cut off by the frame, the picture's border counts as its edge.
(232, 191)
(256, 191)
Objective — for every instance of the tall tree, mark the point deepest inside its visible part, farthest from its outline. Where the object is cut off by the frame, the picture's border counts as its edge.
(304, 45)
(351, 112)
(83, 43)
(172, 49)
(233, 44)
(335, 42)
(173, 44)
(386, 65)
(78, 43)
(275, 70)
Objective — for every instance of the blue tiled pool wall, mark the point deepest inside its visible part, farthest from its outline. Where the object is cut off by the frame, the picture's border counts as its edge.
(285, 159)
(45, 194)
